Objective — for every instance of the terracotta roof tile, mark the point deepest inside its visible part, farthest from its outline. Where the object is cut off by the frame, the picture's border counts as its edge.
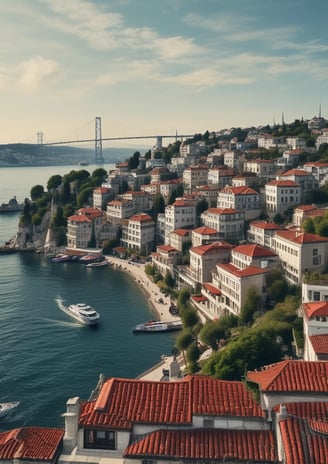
(212, 289)
(248, 271)
(265, 225)
(182, 232)
(315, 308)
(206, 445)
(255, 251)
(319, 343)
(30, 444)
(198, 298)
(79, 218)
(290, 375)
(300, 237)
(211, 248)
(311, 409)
(296, 172)
(242, 190)
(123, 402)
(141, 218)
(223, 210)
(205, 231)
(166, 248)
(283, 183)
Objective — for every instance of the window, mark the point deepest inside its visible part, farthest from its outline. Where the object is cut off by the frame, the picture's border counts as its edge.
(316, 296)
(101, 439)
(208, 423)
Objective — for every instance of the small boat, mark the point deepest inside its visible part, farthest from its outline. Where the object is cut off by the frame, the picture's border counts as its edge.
(83, 313)
(97, 265)
(157, 326)
(7, 408)
(12, 206)
(87, 259)
(83, 163)
(61, 258)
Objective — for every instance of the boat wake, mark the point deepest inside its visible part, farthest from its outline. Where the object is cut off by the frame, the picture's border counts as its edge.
(60, 304)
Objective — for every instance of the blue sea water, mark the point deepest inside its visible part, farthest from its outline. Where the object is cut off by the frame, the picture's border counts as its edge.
(46, 357)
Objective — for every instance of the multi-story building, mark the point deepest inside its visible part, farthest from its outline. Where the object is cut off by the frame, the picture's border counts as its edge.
(303, 178)
(220, 176)
(233, 159)
(269, 141)
(101, 196)
(264, 169)
(194, 176)
(139, 233)
(83, 227)
(296, 143)
(262, 232)
(179, 215)
(142, 201)
(281, 195)
(234, 284)
(180, 239)
(315, 328)
(300, 252)
(302, 212)
(241, 198)
(208, 193)
(319, 169)
(165, 258)
(204, 236)
(229, 222)
(246, 255)
(118, 210)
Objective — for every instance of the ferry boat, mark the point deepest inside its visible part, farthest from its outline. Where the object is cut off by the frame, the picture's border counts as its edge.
(83, 313)
(157, 326)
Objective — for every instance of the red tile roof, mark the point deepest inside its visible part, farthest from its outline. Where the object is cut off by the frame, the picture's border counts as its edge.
(315, 308)
(296, 172)
(205, 231)
(302, 443)
(79, 218)
(300, 237)
(290, 375)
(319, 343)
(316, 164)
(211, 248)
(198, 298)
(265, 225)
(123, 402)
(206, 445)
(306, 207)
(256, 251)
(141, 218)
(283, 183)
(242, 190)
(166, 248)
(312, 409)
(223, 210)
(212, 289)
(182, 232)
(30, 444)
(248, 271)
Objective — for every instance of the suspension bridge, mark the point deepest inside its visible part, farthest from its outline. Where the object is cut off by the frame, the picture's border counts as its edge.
(98, 139)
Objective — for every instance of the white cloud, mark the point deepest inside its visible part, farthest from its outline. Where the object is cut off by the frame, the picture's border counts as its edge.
(36, 71)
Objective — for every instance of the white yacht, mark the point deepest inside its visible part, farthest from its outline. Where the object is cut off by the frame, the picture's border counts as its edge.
(83, 313)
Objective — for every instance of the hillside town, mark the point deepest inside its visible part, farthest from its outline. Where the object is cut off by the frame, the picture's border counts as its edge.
(218, 218)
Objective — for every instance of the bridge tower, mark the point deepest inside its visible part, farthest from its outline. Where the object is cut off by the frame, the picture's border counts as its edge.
(98, 142)
(40, 138)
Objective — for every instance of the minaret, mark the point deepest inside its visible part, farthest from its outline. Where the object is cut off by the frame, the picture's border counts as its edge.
(320, 111)
(282, 119)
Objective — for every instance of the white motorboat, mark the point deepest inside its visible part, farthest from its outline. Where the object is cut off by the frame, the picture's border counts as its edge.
(157, 326)
(6, 408)
(83, 313)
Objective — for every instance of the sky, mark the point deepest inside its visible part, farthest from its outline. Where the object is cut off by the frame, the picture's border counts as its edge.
(158, 67)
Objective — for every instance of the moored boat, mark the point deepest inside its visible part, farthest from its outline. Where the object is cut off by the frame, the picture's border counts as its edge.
(157, 326)
(91, 258)
(7, 408)
(83, 313)
(97, 265)
(61, 258)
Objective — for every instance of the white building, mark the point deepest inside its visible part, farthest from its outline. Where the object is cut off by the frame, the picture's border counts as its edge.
(281, 195)
(319, 169)
(117, 210)
(246, 255)
(142, 201)
(300, 252)
(101, 196)
(179, 215)
(241, 198)
(194, 176)
(220, 176)
(165, 258)
(84, 226)
(229, 222)
(204, 236)
(264, 169)
(139, 233)
(262, 232)
(315, 327)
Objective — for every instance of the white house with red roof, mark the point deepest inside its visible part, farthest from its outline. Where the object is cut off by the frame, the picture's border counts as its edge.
(281, 195)
(196, 418)
(262, 232)
(264, 169)
(303, 178)
(165, 258)
(220, 176)
(180, 239)
(234, 283)
(118, 210)
(302, 212)
(139, 233)
(233, 159)
(300, 252)
(203, 236)
(246, 255)
(81, 227)
(319, 169)
(315, 327)
(290, 381)
(206, 192)
(194, 176)
(101, 196)
(228, 222)
(179, 215)
(142, 201)
(241, 198)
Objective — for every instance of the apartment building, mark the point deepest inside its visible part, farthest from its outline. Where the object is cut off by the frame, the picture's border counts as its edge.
(300, 252)
(262, 232)
(101, 196)
(180, 215)
(180, 239)
(281, 195)
(241, 198)
(84, 226)
(246, 255)
(264, 169)
(203, 236)
(315, 328)
(194, 176)
(118, 210)
(319, 169)
(142, 201)
(229, 222)
(139, 233)
(220, 176)
(165, 258)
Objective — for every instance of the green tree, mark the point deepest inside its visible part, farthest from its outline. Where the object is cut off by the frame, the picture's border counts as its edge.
(133, 161)
(308, 225)
(201, 206)
(193, 353)
(278, 290)
(183, 340)
(59, 220)
(84, 196)
(252, 304)
(189, 317)
(54, 182)
(169, 280)
(36, 192)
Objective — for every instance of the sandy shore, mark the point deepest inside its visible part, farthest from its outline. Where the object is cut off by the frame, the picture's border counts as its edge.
(137, 272)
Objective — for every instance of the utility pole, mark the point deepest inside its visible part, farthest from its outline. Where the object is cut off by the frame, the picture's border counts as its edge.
(99, 159)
